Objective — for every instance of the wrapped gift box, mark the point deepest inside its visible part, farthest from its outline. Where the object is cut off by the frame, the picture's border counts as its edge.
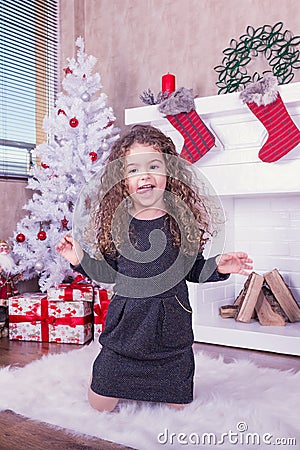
(102, 298)
(32, 317)
(75, 291)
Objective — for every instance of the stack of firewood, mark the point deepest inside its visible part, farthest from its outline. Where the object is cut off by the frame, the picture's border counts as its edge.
(266, 298)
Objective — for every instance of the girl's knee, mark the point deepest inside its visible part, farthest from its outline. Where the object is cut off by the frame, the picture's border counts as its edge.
(177, 406)
(102, 403)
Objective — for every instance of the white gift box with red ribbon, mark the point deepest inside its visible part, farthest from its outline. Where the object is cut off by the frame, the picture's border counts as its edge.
(78, 290)
(32, 317)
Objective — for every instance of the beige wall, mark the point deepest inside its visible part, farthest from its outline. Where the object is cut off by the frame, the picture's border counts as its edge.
(13, 196)
(137, 41)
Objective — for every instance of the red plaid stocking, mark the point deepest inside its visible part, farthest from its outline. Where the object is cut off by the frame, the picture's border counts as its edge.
(179, 109)
(198, 139)
(264, 100)
(283, 133)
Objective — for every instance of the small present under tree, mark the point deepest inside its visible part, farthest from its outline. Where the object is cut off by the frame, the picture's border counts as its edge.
(80, 132)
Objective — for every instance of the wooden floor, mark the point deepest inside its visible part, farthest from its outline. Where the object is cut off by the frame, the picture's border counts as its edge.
(21, 433)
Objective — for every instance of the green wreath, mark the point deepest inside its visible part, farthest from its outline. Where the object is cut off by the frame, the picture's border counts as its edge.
(279, 49)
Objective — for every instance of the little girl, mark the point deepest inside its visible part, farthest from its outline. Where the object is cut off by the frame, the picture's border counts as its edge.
(151, 227)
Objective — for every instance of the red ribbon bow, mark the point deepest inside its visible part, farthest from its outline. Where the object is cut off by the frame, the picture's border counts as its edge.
(100, 310)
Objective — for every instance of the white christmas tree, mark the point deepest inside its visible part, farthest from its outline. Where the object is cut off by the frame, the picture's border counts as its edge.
(81, 131)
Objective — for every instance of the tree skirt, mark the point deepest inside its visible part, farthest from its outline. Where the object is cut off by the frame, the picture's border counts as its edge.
(236, 404)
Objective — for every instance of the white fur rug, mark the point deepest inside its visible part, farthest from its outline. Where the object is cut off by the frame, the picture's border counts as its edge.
(252, 406)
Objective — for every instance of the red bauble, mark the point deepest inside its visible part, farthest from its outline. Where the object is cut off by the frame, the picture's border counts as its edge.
(111, 122)
(44, 166)
(73, 122)
(68, 70)
(93, 156)
(61, 111)
(20, 237)
(42, 235)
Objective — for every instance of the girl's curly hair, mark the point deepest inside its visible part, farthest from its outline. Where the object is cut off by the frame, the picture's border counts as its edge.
(112, 212)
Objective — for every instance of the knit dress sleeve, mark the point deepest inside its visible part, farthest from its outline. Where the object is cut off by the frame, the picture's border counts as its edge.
(205, 271)
(102, 270)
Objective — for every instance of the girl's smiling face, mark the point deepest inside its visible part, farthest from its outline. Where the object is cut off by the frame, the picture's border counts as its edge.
(146, 181)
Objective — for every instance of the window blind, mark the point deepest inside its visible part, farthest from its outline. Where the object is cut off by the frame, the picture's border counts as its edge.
(28, 79)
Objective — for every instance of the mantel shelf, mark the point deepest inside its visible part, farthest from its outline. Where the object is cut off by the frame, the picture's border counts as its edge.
(212, 105)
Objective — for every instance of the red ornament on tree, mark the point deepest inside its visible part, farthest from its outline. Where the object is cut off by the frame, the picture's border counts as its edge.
(20, 237)
(42, 235)
(73, 122)
(111, 122)
(68, 70)
(64, 224)
(93, 156)
(61, 111)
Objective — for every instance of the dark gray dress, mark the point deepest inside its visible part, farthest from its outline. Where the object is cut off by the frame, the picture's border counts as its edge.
(147, 341)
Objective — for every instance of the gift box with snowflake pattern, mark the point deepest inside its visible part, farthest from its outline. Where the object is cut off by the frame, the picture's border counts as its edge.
(71, 292)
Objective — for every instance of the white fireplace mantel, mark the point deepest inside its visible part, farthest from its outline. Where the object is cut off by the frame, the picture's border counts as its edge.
(262, 204)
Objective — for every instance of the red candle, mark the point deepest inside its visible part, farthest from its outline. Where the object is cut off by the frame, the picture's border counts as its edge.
(168, 83)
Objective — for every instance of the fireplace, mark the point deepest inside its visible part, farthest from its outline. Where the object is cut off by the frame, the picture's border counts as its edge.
(262, 208)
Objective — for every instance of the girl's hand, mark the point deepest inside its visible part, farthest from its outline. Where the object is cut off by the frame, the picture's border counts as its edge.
(237, 262)
(70, 249)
